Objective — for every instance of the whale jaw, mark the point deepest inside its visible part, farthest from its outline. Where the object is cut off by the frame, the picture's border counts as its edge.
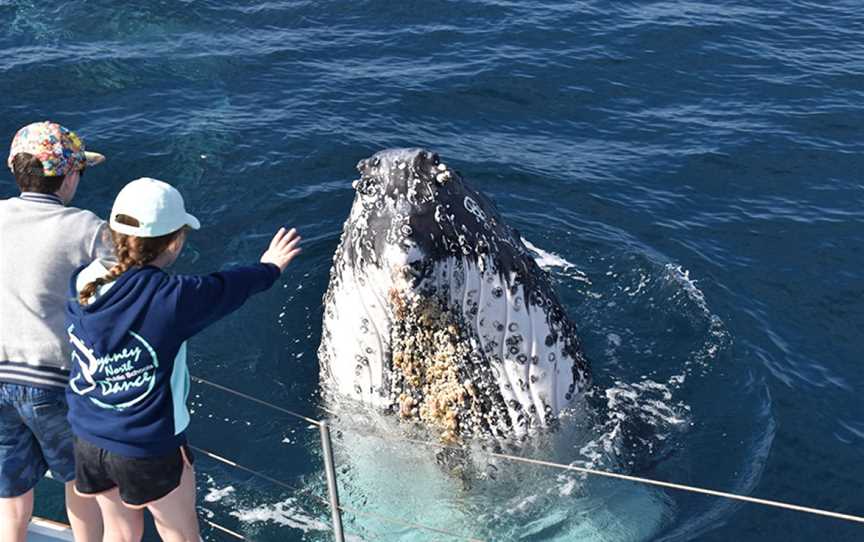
(437, 312)
(459, 351)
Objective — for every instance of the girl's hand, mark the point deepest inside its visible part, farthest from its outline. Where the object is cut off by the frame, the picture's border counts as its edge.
(283, 248)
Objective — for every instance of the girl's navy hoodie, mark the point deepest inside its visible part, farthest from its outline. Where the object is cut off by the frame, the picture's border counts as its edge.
(129, 380)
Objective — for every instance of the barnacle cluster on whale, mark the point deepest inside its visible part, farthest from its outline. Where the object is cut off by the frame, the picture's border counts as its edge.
(436, 310)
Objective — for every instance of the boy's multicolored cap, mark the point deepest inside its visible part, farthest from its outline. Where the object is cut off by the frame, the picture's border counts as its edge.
(59, 149)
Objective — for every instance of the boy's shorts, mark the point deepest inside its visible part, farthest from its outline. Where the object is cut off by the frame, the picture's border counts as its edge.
(34, 437)
(140, 481)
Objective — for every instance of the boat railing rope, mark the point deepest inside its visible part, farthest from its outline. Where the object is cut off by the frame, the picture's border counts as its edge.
(508, 457)
(308, 491)
(225, 530)
(256, 400)
(649, 481)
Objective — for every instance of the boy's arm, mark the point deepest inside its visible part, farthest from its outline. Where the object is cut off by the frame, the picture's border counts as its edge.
(201, 300)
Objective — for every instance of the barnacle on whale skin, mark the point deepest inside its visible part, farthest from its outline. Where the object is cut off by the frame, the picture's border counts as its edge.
(429, 346)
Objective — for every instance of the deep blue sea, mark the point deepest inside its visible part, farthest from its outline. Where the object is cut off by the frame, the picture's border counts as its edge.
(692, 175)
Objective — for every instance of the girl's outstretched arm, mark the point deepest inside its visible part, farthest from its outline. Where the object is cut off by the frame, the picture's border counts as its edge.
(200, 300)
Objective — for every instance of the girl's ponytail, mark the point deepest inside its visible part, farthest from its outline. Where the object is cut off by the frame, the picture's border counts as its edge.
(131, 251)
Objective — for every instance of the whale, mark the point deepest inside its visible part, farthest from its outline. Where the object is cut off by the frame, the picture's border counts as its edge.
(436, 311)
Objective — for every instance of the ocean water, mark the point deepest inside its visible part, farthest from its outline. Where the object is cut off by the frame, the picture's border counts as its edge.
(691, 174)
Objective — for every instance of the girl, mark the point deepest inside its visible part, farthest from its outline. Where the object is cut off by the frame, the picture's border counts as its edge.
(128, 324)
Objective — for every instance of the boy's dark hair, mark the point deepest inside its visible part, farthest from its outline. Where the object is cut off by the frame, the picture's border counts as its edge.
(29, 175)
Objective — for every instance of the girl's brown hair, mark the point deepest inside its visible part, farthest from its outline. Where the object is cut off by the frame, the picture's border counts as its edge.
(131, 251)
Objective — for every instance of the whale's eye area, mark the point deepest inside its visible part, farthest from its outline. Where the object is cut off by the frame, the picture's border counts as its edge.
(425, 161)
(366, 186)
(362, 165)
(432, 159)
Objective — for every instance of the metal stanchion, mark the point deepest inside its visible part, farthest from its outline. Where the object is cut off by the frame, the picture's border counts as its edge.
(332, 489)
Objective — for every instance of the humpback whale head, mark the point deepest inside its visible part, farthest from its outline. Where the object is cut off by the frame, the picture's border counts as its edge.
(438, 312)
(411, 209)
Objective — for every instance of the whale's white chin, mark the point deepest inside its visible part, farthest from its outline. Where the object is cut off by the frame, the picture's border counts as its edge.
(436, 351)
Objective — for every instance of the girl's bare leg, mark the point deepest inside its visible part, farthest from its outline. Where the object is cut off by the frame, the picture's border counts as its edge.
(84, 516)
(174, 514)
(121, 523)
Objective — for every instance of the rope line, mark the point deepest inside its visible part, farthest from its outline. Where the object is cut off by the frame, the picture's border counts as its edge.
(508, 457)
(406, 523)
(227, 531)
(228, 462)
(681, 487)
(307, 491)
(255, 399)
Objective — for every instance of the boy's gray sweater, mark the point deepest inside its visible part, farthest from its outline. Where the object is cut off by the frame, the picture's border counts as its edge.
(41, 244)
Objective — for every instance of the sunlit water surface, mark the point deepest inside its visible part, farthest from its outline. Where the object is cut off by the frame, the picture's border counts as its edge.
(690, 174)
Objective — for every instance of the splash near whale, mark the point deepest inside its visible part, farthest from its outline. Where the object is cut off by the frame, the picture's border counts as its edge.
(437, 312)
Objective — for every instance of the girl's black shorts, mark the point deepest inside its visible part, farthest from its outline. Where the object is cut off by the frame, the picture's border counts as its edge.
(140, 481)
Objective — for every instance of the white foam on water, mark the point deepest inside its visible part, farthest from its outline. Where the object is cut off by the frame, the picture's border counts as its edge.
(287, 513)
(717, 338)
(648, 403)
(568, 485)
(678, 274)
(644, 281)
(216, 495)
(675, 293)
(549, 260)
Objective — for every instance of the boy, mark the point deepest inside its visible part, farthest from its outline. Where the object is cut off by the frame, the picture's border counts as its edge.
(41, 243)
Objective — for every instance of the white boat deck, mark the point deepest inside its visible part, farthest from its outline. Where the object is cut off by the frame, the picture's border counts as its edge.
(43, 530)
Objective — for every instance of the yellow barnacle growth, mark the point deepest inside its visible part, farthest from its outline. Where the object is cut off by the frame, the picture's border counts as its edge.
(428, 347)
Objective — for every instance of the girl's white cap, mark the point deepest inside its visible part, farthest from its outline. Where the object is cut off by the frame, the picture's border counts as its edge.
(156, 205)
